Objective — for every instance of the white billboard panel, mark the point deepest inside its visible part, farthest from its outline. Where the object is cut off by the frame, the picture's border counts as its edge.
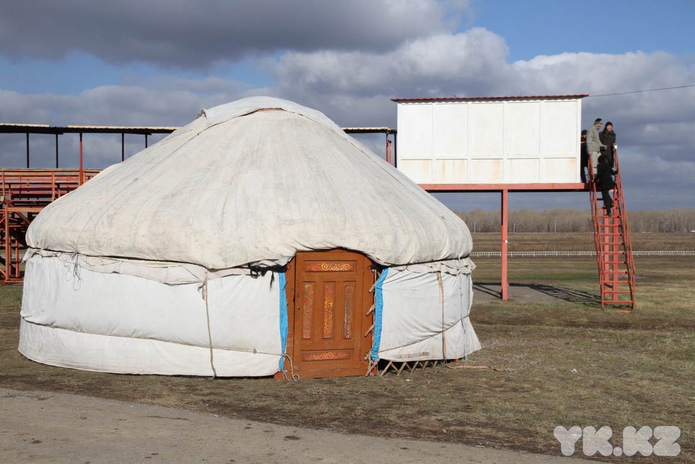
(486, 123)
(522, 130)
(516, 140)
(450, 131)
(417, 131)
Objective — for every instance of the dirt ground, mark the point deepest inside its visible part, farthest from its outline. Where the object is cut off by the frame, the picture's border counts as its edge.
(42, 427)
(559, 359)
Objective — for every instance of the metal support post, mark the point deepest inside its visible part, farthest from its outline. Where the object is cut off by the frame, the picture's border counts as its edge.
(57, 159)
(395, 150)
(504, 229)
(81, 162)
(28, 163)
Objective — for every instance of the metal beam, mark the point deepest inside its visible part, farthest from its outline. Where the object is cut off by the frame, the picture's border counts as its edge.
(555, 187)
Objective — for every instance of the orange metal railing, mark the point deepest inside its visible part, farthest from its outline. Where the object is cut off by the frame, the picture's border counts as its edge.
(23, 194)
(616, 264)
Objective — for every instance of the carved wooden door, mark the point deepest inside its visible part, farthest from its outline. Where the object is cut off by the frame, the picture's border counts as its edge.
(331, 299)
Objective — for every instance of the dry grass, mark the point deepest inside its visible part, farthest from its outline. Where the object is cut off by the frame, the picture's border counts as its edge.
(565, 363)
(580, 242)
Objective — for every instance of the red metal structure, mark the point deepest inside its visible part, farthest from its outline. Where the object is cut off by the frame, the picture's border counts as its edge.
(24, 193)
(504, 190)
(616, 263)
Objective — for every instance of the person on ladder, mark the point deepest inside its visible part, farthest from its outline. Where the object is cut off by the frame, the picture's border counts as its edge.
(604, 178)
(607, 136)
(593, 144)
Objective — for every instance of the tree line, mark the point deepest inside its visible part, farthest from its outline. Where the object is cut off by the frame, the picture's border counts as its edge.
(562, 220)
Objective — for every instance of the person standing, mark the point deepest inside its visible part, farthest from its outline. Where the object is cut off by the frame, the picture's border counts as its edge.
(593, 144)
(584, 159)
(607, 137)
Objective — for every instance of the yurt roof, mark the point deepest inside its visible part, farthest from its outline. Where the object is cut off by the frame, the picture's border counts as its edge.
(253, 181)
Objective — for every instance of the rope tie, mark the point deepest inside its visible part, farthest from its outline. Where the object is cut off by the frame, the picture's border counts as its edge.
(292, 376)
(441, 288)
(73, 271)
(207, 314)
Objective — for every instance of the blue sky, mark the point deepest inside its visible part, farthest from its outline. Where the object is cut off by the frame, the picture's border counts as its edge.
(551, 27)
(158, 63)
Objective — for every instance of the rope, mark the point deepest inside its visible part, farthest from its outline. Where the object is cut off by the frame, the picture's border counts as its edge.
(293, 376)
(642, 91)
(441, 298)
(207, 314)
(73, 272)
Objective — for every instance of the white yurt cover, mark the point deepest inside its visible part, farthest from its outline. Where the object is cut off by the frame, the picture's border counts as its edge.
(153, 265)
(239, 186)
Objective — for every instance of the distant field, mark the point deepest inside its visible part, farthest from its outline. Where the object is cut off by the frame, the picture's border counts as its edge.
(564, 362)
(580, 242)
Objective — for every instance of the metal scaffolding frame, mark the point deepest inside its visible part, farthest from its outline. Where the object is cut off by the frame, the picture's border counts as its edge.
(26, 192)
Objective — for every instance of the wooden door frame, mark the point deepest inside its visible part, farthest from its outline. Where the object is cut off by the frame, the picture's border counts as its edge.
(364, 334)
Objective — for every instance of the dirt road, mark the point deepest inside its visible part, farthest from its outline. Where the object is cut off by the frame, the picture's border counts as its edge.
(38, 427)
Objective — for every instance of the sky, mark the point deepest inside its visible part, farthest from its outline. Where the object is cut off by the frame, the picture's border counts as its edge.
(157, 63)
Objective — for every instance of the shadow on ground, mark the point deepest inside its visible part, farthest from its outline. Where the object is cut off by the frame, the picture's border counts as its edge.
(486, 292)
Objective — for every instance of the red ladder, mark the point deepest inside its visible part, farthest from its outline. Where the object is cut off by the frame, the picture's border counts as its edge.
(616, 264)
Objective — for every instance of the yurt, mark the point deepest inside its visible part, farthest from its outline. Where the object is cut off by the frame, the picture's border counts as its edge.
(258, 239)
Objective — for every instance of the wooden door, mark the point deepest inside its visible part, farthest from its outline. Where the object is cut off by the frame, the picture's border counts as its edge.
(331, 299)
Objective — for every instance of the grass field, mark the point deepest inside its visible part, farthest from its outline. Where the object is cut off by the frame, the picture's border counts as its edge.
(565, 362)
(581, 242)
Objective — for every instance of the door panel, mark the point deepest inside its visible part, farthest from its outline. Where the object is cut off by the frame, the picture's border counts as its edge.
(331, 297)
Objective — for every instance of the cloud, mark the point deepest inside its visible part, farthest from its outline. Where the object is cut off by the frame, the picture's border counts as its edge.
(158, 101)
(654, 129)
(357, 86)
(163, 101)
(191, 34)
(353, 83)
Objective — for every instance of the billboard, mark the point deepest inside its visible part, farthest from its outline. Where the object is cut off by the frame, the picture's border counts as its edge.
(490, 140)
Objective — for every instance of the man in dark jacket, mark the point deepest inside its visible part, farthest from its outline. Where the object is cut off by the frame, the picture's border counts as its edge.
(604, 178)
(584, 160)
(607, 137)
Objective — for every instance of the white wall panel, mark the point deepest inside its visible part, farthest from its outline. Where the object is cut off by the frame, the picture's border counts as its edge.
(485, 126)
(450, 130)
(558, 170)
(512, 141)
(486, 171)
(450, 171)
(522, 171)
(415, 131)
(418, 170)
(560, 137)
(522, 132)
